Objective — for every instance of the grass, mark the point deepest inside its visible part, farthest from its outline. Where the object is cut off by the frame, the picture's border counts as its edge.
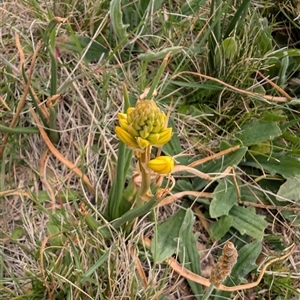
(57, 241)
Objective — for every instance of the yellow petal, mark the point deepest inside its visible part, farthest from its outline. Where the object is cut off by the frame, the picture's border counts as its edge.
(126, 138)
(159, 139)
(128, 113)
(161, 164)
(122, 116)
(142, 143)
(124, 124)
(133, 131)
(129, 110)
(153, 138)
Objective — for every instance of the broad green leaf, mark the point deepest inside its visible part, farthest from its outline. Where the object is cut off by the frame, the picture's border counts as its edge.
(247, 257)
(291, 216)
(188, 253)
(65, 196)
(285, 165)
(262, 38)
(165, 240)
(59, 223)
(183, 185)
(224, 197)
(285, 52)
(262, 148)
(219, 228)
(247, 222)
(229, 48)
(290, 189)
(17, 233)
(75, 45)
(282, 74)
(116, 207)
(219, 165)
(116, 16)
(251, 193)
(274, 116)
(257, 132)
(291, 137)
(56, 237)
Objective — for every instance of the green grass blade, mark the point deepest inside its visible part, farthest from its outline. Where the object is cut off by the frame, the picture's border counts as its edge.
(238, 18)
(114, 206)
(19, 130)
(135, 213)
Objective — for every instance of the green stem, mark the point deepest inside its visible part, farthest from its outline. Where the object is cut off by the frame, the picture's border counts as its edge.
(145, 183)
(208, 292)
(19, 130)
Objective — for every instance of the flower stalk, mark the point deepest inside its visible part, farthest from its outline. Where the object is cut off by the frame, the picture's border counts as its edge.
(145, 184)
(141, 128)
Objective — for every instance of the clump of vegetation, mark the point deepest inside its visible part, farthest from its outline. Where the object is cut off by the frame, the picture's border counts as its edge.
(140, 138)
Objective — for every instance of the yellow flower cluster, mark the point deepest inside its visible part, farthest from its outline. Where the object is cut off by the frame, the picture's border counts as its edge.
(142, 126)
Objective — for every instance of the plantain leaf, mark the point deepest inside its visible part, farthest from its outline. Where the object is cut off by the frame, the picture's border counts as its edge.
(219, 165)
(219, 228)
(188, 253)
(290, 189)
(247, 257)
(247, 222)
(224, 197)
(165, 239)
(152, 56)
(257, 132)
(17, 233)
(116, 17)
(285, 165)
(229, 48)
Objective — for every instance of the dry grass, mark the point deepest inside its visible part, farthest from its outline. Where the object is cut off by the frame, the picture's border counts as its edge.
(36, 264)
(33, 263)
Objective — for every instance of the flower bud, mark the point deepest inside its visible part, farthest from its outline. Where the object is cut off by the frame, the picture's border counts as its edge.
(161, 164)
(143, 125)
(126, 138)
(159, 139)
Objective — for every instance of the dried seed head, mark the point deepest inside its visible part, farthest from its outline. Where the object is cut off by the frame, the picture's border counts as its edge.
(224, 265)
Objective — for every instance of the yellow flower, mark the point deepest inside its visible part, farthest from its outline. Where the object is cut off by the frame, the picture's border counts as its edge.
(159, 139)
(126, 138)
(161, 164)
(143, 125)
